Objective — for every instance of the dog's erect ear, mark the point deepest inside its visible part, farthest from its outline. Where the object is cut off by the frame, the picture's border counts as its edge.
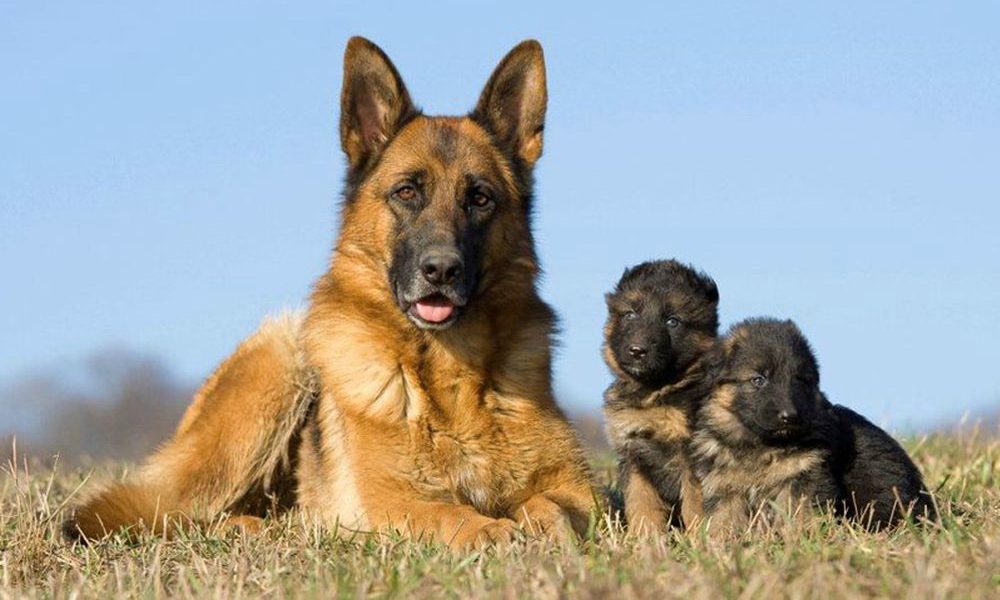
(512, 105)
(374, 103)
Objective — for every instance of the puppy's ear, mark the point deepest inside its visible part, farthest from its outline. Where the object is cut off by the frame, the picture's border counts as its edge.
(732, 342)
(512, 105)
(374, 103)
(711, 290)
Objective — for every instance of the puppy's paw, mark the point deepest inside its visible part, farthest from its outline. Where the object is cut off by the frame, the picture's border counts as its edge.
(244, 523)
(646, 528)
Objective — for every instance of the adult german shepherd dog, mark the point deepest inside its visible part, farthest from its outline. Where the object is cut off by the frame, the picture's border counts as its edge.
(415, 393)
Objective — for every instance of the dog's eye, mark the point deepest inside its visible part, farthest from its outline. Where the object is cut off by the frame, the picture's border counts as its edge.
(480, 199)
(630, 315)
(673, 321)
(758, 381)
(405, 193)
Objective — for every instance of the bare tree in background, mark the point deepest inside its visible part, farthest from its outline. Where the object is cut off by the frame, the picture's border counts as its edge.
(590, 427)
(122, 406)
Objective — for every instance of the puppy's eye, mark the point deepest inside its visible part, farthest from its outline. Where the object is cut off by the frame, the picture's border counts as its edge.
(673, 321)
(405, 193)
(758, 381)
(630, 315)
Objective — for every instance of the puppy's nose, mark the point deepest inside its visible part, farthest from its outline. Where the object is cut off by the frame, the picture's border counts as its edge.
(441, 268)
(788, 417)
(637, 351)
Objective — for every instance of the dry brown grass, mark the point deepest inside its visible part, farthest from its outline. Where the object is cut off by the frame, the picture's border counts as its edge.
(960, 558)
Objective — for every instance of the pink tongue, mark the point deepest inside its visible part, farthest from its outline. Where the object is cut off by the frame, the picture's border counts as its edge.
(434, 310)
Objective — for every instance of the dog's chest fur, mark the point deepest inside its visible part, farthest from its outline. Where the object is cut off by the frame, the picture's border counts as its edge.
(461, 429)
(751, 474)
(651, 436)
(653, 427)
(445, 425)
(460, 462)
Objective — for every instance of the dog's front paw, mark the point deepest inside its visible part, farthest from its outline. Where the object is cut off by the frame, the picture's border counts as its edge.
(483, 533)
(542, 517)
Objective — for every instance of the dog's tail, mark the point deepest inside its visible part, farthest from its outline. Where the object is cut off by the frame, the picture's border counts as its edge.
(233, 451)
(128, 507)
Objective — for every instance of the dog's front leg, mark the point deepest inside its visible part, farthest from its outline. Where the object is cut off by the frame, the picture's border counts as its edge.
(728, 516)
(645, 511)
(457, 525)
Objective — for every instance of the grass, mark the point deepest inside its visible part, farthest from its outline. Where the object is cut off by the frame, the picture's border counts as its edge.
(960, 558)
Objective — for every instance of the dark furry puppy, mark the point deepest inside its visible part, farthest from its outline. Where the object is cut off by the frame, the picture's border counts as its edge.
(767, 433)
(662, 324)
(761, 435)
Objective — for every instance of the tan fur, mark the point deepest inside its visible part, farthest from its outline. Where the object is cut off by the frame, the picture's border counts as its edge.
(665, 424)
(449, 435)
(645, 511)
(692, 500)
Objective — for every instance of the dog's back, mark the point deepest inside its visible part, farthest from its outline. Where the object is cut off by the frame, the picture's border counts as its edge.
(880, 480)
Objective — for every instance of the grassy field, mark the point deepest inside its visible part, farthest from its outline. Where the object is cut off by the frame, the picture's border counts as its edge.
(819, 559)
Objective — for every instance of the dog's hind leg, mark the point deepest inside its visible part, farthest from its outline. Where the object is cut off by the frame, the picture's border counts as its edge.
(232, 452)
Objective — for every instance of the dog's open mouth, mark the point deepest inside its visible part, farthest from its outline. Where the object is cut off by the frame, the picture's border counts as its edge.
(435, 310)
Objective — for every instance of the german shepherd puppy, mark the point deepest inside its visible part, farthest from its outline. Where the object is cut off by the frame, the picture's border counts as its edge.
(415, 394)
(768, 434)
(662, 323)
(760, 436)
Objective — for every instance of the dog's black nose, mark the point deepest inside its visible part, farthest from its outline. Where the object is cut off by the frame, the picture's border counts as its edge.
(441, 268)
(788, 417)
(637, 351)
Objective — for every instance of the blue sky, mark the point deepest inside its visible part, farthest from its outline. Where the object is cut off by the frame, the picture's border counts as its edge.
(169, 174)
